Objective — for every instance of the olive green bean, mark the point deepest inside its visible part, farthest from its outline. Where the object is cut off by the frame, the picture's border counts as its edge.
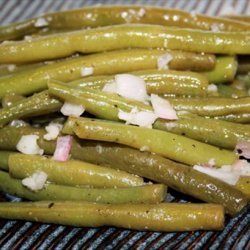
(175, 175)
(35, 105)
(110, 15)
(219, 133)
(124, 36)
(175, 147)
(157, 82)
(224, 71)
(159, 217)
(11, 98)
(243, 184)
(71, 172)
(230, 91)
(33, 80)
(146, 194)
(4, 157)
(237, 118)
(212, 106)
(243, 18)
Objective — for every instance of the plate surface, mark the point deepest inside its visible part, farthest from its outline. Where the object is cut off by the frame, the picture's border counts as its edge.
(26, 235)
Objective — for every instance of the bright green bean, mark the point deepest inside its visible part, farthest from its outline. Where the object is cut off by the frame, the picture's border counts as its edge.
(38, 104)
(110, 15)
(124, 36)
(216, 132)
(175, 147)
(71, 172)
(33, 80)
(146, 194)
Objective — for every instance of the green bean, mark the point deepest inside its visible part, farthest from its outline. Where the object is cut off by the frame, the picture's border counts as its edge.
(38, 104)
(231, 92)
(159, 217)
(157, 82)
(146, 194)
(242, 18)
(243, 184)
(219, 133)
(4, 157)
(33, 80)
(175, 147)
(101, 104)
(175, 175)
(11, 98)
(212, 106)
(237, 118)
(122, 37)
(110, 15)
(71, 172)
(224, 71)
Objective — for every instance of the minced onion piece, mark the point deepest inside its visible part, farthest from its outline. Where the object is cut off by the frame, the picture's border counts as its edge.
(28, 145)
(110, 87)
(63, 147)
(141, 118)
(212, 88)
(41, 22)
(87, 71)
(131, 87)
(36, 181)
(163, 108)
(53, 130)
(163, 61)
(71, 109)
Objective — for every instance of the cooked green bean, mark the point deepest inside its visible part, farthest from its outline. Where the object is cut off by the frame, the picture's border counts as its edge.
(11, 98)
(146, 194)
(160, 217)
(175, 147)
(216, 132)
(71, 172)
(243, 18)
(33, 80)
(175, 175)
(4, 157)
(231, 92)
(122, 37)
(38, 104)
(157, 82)
(224, 71)
(212, 106)
(237, 118)
(243, 185)
(110, 15)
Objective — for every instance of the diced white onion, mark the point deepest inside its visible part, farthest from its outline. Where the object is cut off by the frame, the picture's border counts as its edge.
(53, 130)
(140, 118)
(41, 22)
(87, 71)
(163, 108)
(131, 87)
(212, 88)
(163, 61)
(36, 181)
(28, 145)
(71, 109)
(17, 123)
(110, 87)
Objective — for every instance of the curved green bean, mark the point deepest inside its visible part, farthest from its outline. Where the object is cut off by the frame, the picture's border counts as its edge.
(219, 133)
(71, 172)
(159, 217)
(35, 105)
(33, 80)
(175, 147)
(110, 15)
(146, 194)
(237, 118)
(124, 36)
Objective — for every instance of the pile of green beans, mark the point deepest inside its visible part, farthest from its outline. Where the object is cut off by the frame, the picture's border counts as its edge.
(119, 174)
